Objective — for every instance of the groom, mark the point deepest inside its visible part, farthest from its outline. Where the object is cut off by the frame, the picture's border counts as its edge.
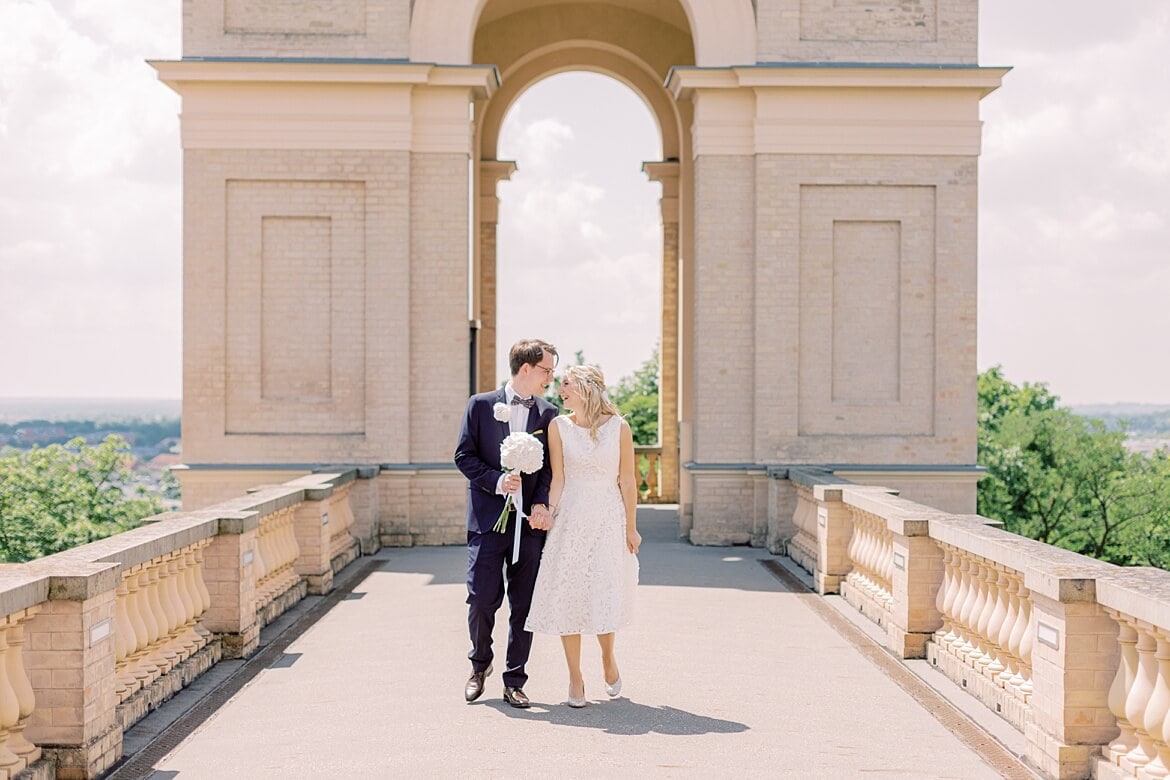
(492, 555)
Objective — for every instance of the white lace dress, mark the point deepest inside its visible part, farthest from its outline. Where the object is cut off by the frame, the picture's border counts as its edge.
(587, 574)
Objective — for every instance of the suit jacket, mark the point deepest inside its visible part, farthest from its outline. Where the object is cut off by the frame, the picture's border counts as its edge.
(478, 456)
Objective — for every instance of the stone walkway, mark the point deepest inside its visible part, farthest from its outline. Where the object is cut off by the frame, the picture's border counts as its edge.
(728, 673)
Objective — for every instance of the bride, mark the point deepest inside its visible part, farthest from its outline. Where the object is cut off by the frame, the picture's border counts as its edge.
(588, 571)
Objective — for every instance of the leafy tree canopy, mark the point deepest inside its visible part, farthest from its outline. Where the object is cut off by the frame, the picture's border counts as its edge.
(1068, 480)
(56, 497)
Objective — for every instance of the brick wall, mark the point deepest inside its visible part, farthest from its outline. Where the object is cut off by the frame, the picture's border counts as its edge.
(297, 28)
(930, 31)
(340, 394)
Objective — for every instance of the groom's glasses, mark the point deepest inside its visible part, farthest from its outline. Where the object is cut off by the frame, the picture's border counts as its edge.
(547, 371)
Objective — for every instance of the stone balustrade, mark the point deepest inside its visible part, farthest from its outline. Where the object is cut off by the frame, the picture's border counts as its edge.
(94, 638)
(21, 599)
(1073, 652)
(650, 475)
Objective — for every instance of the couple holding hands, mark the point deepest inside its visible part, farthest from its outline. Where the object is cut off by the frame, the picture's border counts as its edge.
(561, 536)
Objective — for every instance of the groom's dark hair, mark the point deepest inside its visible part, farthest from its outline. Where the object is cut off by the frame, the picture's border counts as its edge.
(528, 351)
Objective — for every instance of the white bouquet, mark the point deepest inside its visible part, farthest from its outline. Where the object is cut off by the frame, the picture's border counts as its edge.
(521, 452)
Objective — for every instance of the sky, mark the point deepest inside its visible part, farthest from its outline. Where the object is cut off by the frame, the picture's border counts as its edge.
(1074, 234)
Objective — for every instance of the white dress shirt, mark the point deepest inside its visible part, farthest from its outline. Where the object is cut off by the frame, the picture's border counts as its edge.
(518, 423)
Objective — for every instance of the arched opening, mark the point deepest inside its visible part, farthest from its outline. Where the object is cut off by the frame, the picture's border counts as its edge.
(579, 233)
(530, 41)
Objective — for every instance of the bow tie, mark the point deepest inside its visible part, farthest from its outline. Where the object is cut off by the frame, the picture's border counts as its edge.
(527, 403)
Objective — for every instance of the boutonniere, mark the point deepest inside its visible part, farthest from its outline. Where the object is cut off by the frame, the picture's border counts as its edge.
(502, 412)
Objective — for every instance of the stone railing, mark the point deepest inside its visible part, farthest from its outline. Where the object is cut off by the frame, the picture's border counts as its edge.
(1073, 652)
(94, 638)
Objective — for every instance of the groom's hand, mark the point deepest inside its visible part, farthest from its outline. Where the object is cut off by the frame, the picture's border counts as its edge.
(511, 483)
(541, 518)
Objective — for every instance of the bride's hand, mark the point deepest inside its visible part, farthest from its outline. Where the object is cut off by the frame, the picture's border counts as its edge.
(633, 540)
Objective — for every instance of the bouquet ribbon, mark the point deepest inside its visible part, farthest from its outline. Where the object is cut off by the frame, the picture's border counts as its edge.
(519, 500)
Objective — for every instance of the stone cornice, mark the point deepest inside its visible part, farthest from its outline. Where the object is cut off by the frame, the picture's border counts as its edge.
(682, 80)
(819, 109)
(326, 104)
(175, 73)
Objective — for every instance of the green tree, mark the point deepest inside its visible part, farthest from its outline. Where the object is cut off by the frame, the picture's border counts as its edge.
(56, 497)
(1066, 480)
(636, 397)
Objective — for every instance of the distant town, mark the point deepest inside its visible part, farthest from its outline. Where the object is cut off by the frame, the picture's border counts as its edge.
(151, 428)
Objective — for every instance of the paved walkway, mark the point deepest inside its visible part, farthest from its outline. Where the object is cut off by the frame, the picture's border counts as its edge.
(728, 673)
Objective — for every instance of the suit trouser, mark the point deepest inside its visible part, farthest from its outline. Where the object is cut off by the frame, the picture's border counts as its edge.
(488, 567)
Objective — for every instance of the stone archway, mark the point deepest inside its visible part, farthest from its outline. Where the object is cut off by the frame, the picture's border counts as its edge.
(639, 77)
(824, 194)
(528, 40)
(443, 31)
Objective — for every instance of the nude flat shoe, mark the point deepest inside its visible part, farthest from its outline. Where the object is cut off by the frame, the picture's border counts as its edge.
(576, 703)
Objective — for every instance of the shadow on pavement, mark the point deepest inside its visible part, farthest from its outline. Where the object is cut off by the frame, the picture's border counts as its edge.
(623, 717)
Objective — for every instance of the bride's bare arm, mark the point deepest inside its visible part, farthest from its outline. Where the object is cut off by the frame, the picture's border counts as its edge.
(628, 483)
(556, 459)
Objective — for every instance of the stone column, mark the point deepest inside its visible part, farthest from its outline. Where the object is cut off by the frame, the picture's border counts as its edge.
(724, 472)
(491, 173)
(668, 377)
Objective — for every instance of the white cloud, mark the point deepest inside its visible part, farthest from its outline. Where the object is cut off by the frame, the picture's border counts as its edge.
(580, 241)
(1074, 199)
(89, 201)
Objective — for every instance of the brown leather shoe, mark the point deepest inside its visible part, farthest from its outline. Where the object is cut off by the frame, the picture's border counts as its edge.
(516, 697)
(474, 687)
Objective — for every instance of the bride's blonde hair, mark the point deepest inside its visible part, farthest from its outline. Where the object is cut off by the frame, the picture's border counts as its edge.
(589, 383)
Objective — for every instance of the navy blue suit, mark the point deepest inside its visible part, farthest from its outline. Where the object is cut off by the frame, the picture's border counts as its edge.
(489, 553)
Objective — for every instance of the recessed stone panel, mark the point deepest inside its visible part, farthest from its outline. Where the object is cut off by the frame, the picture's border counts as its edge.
(295, 335)
(867, 264)
(296, 349)
(868, 20)
(295, 17)
(867, 310)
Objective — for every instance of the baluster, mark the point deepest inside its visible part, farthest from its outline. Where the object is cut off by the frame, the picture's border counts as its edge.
(182, 573)
(961, 598)
(963, 641)
(1157, 710)
(203, 602)
(171, 606)
(1027, 641)
(872, 553)
(977, 642)
(1139, 699)
(1012, 598)
(652, 475)
(1122, 684)
(887, 563)
(945, 597)
(142, 666)
(164, 657)
(865, 554)
(9, 708)
(125, 643)
(179, 640)
(854, 550)
(260, 563)
(991, 622)
(17, 677)
(294, 550)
